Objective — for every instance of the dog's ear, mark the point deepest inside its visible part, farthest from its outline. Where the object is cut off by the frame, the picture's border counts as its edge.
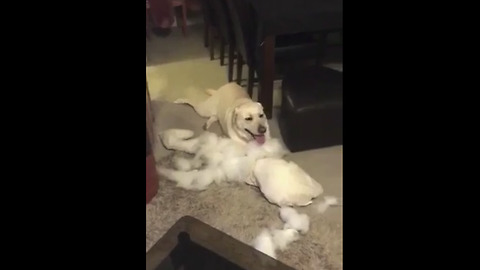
(261, 106)
(234, 114)
(236, 111)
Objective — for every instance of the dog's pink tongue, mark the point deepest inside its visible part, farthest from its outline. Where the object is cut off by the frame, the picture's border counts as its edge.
(260, 139)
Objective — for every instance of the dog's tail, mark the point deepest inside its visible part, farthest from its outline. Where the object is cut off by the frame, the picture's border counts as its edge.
(210, 91)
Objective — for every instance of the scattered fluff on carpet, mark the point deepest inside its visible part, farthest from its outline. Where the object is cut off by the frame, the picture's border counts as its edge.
(295, 220)
(269, 241)
(264, 243)
(243, 211)
(327, 202)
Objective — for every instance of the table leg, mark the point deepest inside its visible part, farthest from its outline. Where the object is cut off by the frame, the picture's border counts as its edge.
(265, 93)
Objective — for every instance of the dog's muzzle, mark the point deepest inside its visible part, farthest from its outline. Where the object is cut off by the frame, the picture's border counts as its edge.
(262, 129)
(260, 138)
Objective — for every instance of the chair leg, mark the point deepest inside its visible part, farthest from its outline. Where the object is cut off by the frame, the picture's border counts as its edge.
(146, 25)
(251, 77)
(211, 44)
(184, 19)
(222, 52)
(206, 36)
(231, 59)
(239, 69)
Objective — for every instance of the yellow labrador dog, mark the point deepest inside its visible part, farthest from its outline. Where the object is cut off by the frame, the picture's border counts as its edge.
(239, 116)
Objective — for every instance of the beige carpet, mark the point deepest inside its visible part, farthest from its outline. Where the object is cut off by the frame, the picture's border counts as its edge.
(179, 67)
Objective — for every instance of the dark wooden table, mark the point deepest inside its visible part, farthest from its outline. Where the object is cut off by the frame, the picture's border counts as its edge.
(175, 251)
(278, 17)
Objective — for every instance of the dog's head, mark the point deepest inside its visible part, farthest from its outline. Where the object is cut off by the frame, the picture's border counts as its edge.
(251, 122)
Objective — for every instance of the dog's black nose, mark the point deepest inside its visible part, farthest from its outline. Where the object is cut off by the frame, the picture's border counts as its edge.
(262, 129)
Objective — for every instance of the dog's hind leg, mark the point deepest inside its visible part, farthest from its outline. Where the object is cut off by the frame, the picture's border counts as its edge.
(178, 133)
(197, 107)
(207, 108)
(182, 101)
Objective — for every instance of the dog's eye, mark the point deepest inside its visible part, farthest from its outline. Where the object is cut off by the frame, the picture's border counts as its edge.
(261, 115)
(249, 118)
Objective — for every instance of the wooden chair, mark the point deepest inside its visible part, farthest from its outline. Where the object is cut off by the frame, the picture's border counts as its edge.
(288, 48)
(147, 19)
(183, 5)
(225, 30)
(210, 26)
